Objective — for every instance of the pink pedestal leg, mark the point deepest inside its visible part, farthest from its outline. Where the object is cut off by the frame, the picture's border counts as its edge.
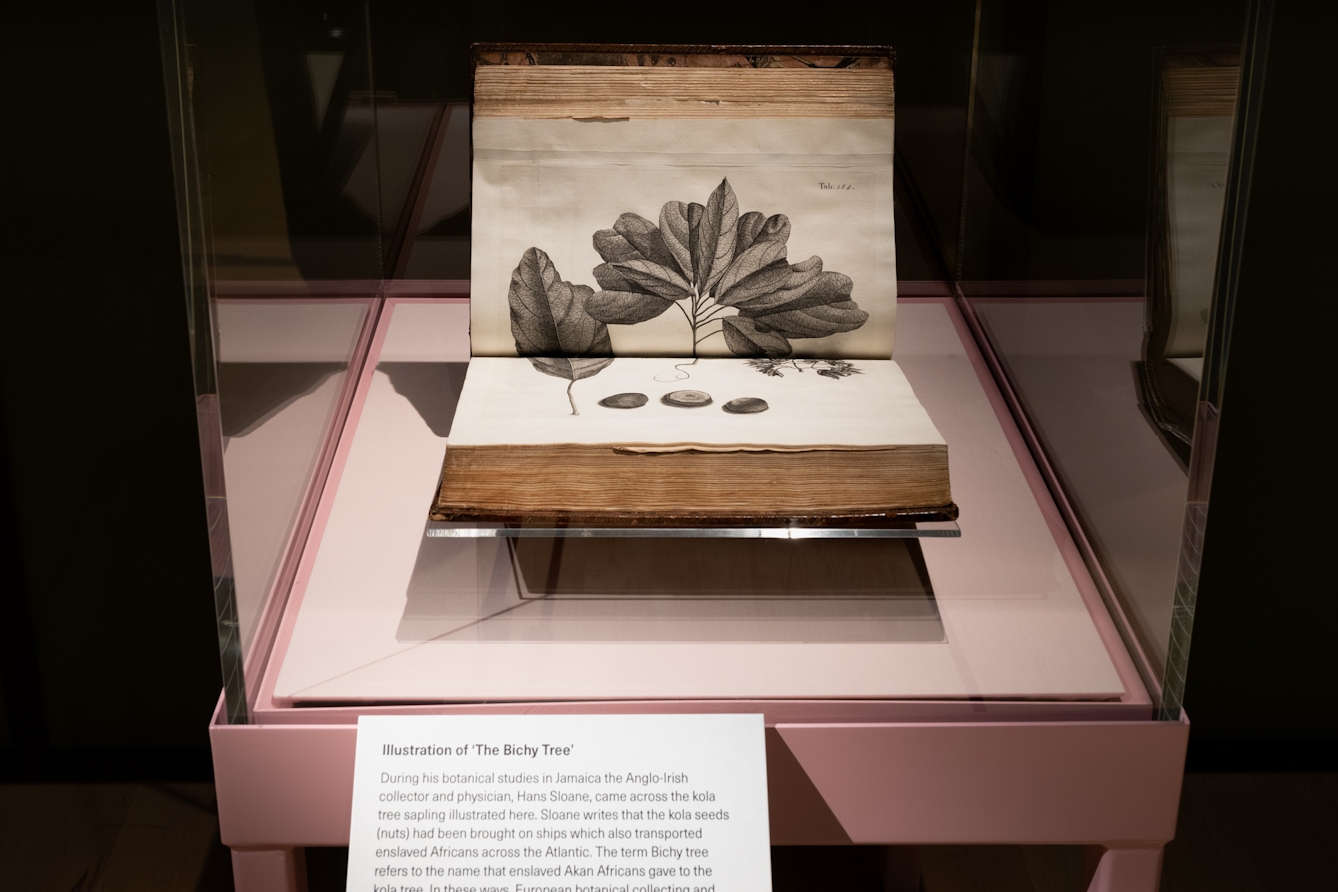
(1128, 870)
(269, 870)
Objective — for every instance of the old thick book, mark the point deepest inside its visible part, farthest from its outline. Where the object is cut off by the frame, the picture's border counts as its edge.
(683, 294)
(855, 444)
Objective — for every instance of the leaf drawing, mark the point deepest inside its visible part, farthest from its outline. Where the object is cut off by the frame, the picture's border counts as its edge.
(717, 233)
(552, 325)
(826, 368)
(708, 259)
(652, 278)
(817, 309)
(675, 231)
(744, 338)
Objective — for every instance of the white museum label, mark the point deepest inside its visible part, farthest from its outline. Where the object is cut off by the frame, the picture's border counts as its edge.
(578, 803)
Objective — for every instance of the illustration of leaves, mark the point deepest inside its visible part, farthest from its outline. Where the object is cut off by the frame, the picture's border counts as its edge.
(695, 214)
(570, 368)
(676, 232)
(552, 325)
(613, 247)
(745, 338)
(713, 246)
(719, 258)
(548, 315)
(633, 237)
(754, 225)
(820, 308)
(742, 280)
(624, 301)
(749, 225)
(611, 280)
(645, 236)
(835, 369)
(653, 278)
(625, 307)
(815, 322)
(769, 367)
(800, 278)
(764, 281)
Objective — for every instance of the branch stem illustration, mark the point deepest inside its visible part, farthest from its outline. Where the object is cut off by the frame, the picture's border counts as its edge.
(686, 317)
(704, 310)
(694, 322)
(718, 331)
(571, 399)
(714, 313)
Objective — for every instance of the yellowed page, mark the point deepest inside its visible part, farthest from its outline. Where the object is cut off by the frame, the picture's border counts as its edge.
(857, 404)
(552, 184)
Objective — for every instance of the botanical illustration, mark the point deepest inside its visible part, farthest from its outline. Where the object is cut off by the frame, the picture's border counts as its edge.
(551, 325)
(827, 368)
(716, 265)
(727, 273)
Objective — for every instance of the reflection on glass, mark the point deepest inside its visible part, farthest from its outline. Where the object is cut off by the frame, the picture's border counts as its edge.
(1194, 111)
(1023, 137)
(437, 244)
(1063, 222)
(282, 368)
(1072, 365)
(310, 171)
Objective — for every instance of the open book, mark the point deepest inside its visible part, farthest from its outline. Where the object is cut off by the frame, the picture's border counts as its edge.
(683, 295)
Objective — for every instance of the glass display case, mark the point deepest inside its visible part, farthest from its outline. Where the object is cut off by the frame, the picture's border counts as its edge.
(1064, 188)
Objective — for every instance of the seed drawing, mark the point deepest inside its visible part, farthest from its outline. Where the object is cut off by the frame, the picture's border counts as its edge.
(624, 401)
(686, 399)
(747, 405)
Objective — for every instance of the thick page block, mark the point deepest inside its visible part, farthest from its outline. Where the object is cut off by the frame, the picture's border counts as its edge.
(739, 437)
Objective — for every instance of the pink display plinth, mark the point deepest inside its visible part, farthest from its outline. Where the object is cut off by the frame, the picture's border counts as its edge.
(840, 771)
(1110, 784)
(1025, 628)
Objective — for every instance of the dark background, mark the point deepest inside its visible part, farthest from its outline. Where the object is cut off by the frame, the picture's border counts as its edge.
(108, 648)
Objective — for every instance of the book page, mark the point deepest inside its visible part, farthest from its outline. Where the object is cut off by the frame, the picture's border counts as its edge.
(1197, 155)
(554, 184)
(728, 404)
